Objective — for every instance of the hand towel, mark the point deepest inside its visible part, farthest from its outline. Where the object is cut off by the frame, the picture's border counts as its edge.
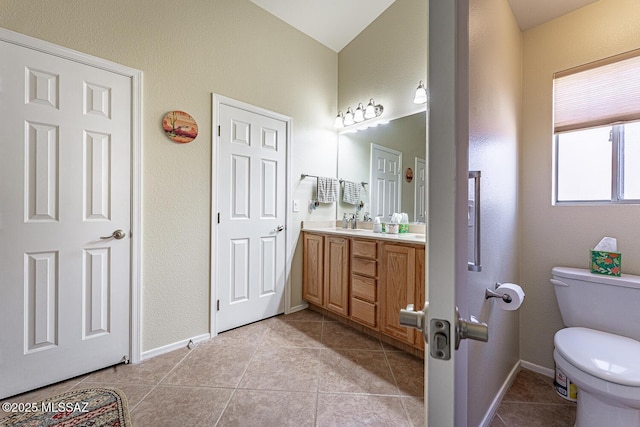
(327, 189)
(351, 193)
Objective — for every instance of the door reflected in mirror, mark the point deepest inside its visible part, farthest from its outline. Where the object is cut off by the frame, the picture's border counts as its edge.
(379, 156)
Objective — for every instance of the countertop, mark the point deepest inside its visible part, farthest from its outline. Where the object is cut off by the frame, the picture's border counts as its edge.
(331, 227)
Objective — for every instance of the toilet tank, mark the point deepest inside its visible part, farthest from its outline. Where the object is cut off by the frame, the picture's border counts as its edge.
(606, 303)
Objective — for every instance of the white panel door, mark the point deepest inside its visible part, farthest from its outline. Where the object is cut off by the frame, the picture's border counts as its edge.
(252, 217)
(386, 165)
(64, 183)
(420, 183)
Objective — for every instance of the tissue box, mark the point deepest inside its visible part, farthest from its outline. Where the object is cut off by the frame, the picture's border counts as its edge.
(609, 263)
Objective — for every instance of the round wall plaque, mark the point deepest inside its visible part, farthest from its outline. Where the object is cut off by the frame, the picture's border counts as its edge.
(180, 126)
(409, 175)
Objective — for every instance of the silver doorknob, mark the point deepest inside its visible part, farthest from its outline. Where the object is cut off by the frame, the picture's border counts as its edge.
(471, 329)
(280, 228)
(416, 319)
(118, 234)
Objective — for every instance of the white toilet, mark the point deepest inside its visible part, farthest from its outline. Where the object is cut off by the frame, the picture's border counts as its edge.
(599, 351)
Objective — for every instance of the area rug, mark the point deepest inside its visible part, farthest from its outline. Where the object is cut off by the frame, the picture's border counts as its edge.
(95, 407)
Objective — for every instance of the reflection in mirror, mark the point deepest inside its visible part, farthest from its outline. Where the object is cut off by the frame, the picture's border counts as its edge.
(406, 136)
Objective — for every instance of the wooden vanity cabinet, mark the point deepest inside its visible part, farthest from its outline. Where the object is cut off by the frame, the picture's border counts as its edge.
(398, 289)
(313, 268)
(420, 292)
(325, 271)
(364, 282)
(336, 274)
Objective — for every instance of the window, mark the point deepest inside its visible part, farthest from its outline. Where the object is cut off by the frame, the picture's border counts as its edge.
(597, 132)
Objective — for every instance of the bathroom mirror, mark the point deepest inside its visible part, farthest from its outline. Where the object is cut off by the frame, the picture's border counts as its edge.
(401, 145)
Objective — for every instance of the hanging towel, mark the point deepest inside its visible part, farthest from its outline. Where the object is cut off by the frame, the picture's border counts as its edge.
(327, 189)
(351, 193)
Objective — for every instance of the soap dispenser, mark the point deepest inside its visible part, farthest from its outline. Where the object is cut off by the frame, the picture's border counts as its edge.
(345, 221)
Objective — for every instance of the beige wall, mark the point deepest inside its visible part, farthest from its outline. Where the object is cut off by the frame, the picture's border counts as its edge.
(386, 61)
(495, 52)
(187, 50)
(563, 235)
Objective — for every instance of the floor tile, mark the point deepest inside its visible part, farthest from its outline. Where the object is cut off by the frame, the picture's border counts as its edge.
(339, 336)
(531, 387)
(214, 365)
(283, 368)
(294, 334)
(414, 406)
(150, 371)
(181, 406)
(249, 335)
(134, 392)
(536, 415)
(270, 408)
(408, 371)
(347, 410)
(301, 369)
(302, 316)
(355, 371)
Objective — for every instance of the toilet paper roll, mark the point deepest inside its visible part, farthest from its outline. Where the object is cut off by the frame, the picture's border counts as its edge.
(514, 291)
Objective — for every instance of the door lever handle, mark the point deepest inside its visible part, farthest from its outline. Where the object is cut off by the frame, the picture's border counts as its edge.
(118, 234)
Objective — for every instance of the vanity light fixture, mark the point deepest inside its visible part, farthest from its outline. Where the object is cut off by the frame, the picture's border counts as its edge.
(421, 94)
(370, 111)
(348, 117)
(360, 115)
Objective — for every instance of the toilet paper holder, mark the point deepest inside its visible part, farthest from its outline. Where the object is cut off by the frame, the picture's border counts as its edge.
(488, 293)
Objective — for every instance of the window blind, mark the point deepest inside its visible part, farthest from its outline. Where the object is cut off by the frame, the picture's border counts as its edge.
(597, 94)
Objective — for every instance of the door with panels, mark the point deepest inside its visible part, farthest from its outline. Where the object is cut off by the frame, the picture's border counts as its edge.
(65, 212)
(386, 164)
(251, 193)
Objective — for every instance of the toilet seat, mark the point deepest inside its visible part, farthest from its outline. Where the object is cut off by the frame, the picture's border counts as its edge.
(610, 357)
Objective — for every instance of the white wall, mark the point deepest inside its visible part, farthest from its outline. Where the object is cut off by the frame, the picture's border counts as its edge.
(187, 50)
(563, 235)
(495, 52)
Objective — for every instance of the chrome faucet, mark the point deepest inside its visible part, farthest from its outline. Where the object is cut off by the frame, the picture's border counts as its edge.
(354, 221)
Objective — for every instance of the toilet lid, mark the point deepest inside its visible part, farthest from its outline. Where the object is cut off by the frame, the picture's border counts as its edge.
(607, 356)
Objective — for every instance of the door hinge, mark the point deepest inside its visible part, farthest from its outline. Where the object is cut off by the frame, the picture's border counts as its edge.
(218, 217)
(218, 305)
(218, 130)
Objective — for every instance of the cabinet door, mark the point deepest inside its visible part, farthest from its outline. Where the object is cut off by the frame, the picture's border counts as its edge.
(313, 268)
(420, 292)
(398, 288)
(336, 275)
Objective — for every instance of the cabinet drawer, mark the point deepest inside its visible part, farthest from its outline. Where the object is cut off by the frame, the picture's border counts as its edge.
(364, 312)
(363, 288)
(364, 249)
(364, 266)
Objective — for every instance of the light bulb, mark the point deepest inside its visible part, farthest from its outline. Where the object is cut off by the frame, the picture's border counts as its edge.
(370, 111)
(339, 120)
(421, 94)
(348, 117)
(358, 116)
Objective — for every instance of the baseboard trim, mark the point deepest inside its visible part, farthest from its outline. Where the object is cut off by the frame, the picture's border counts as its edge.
(537, 368)
(174, 346)
(297, 308)
(493, 409)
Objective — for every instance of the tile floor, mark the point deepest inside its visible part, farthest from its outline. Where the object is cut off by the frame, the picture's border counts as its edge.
(303, 369)
(531, 401)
